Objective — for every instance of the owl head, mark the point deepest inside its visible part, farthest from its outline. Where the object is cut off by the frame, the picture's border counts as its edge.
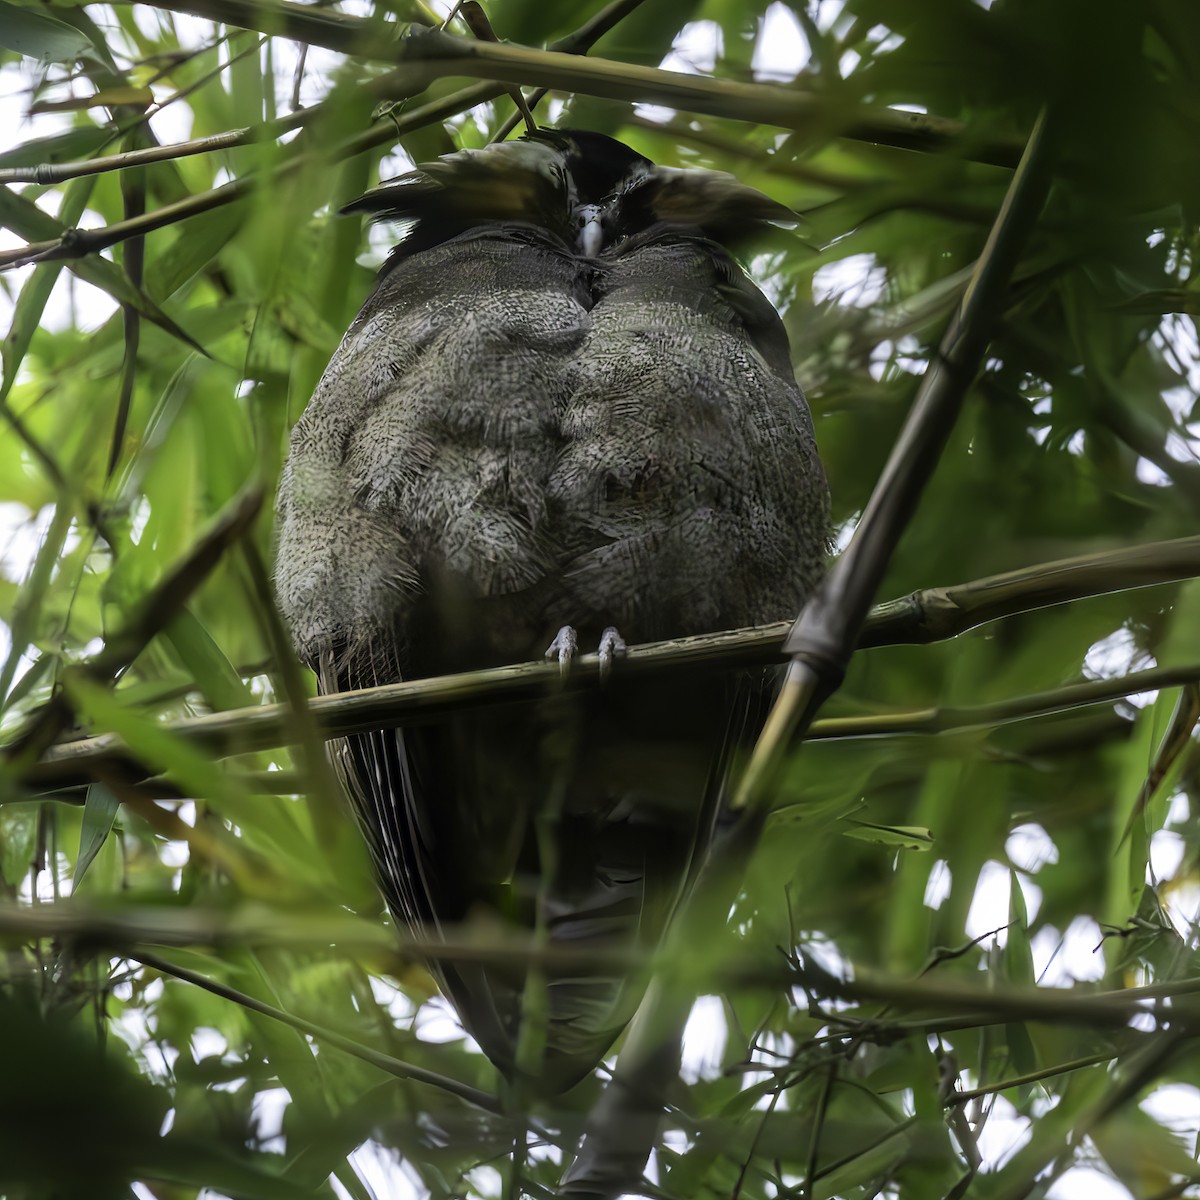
(586, 190)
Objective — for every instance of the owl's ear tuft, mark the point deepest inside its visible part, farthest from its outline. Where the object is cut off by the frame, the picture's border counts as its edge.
(717, 203)
(506, 182)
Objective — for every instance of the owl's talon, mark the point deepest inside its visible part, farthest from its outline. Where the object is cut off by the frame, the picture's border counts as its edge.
(564, 648)
(612, 646)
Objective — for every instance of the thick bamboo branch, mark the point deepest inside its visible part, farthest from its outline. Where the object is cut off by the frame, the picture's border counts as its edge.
(925, 616)
(434, 55)
(362, 37)
(827, 631)
(124, 929)
(245, 925)
(938, 613)
(302, 16)
(1042, 738)
(428, 55)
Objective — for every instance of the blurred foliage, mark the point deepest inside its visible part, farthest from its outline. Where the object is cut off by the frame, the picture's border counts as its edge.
(144, 386)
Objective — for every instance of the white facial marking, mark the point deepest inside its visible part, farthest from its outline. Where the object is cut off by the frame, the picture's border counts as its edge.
(591, 229)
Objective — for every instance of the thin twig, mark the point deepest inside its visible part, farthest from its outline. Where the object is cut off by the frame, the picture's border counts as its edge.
(52, 173)
(478, 23)
(1020, 1081)
(942, 720)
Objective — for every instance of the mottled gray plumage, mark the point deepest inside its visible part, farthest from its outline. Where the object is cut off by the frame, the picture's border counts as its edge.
(563, 403)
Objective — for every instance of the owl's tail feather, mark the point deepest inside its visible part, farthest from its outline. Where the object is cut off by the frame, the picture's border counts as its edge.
(451, 817)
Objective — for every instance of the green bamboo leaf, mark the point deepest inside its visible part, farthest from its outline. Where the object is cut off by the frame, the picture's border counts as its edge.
(25, 617)
(141, 97)
(1127, 864)
(213, 672)
(198, 1164)
(860, 1169)
(71, 144)
(1018, 955)
(1147, 1158)
(37, 35)
(1017, 967)
(24, 217)
(99, 812)
(18, 840)
(197, 245)
(31, 303)
(157, 747)
(908, 837)
(31, 680)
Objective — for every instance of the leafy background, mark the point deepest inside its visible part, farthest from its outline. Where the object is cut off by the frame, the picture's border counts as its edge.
(199, 995)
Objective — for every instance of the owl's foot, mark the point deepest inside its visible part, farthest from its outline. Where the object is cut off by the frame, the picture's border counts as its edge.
(612, 646)
(565, 647)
